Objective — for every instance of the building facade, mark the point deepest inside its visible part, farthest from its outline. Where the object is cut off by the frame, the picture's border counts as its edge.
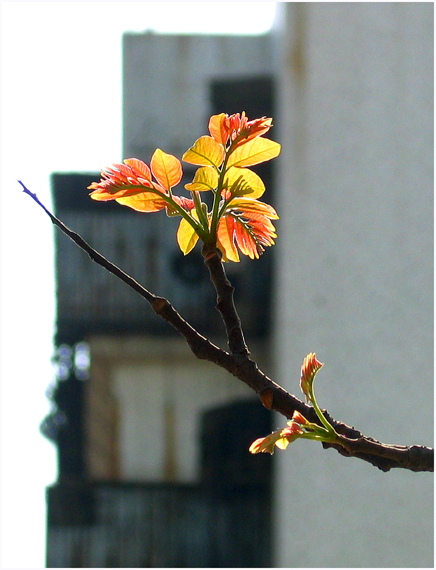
(355, 278)
(150, 424)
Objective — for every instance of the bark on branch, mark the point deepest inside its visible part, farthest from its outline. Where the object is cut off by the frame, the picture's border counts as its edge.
(225, 304)
(351, 442)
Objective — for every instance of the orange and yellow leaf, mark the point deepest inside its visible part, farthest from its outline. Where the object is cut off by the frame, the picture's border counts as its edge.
(254, 151)
(186, 235)
(218, 129)
(205, 152)
(120, 180)
(250, 205)
(206, 178)
(251, 183)
(225, 238)
(144, 202)
(139, 166)
(248, 226)
(166, 168)
(246, 241)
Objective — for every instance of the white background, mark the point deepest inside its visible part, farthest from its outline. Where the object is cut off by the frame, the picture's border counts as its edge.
(61, 111)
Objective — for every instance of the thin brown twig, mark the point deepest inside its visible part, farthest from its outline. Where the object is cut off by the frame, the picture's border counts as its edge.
(93, 254)
(225, 303)
(351, 443)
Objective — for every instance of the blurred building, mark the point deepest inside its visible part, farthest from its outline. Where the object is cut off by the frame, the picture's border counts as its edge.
(146, 432)
(153, 461)
(355, 278)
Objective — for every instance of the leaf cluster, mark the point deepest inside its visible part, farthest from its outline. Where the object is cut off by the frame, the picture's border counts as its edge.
(237, 221)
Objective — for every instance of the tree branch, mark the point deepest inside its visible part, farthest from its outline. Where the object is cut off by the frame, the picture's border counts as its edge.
(351, 442)
(225, 303)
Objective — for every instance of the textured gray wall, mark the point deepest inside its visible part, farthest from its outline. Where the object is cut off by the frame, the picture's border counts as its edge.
(167, 81)
(355, 274)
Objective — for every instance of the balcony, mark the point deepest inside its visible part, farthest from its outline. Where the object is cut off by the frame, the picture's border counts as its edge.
(146, 525)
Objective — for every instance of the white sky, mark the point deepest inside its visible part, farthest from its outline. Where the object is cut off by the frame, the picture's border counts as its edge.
(61, 111)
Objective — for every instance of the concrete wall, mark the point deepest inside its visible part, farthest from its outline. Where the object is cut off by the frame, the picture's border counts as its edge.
(355, 274)
(167, 81)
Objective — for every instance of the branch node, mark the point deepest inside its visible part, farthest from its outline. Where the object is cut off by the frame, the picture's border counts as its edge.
(210, 255)
(267, 397)
(158, 304)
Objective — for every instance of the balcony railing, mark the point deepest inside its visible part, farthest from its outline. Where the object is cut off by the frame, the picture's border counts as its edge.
(108, 525)
(90, 300)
